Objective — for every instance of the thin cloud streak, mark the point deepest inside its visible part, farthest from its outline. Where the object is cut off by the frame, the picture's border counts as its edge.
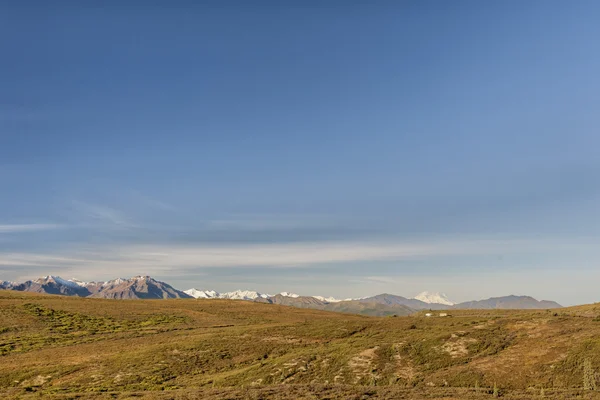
(257, 222)
(17, 228)
(135, 259)
(103, 214)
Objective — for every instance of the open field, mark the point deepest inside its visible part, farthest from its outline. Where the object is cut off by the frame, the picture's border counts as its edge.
(67, 347)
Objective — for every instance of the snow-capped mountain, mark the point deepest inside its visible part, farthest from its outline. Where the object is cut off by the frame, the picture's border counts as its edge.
(243, 295)
(112, 282)
(78, 282)
(235, 295)
(288, 294)
(139, 287)
(434, 298)
(58, 280)
(329, 299)
(6, 284)
(249, 295)
(202, 294)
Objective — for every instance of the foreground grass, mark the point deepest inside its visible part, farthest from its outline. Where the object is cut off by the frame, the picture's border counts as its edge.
(64, 347)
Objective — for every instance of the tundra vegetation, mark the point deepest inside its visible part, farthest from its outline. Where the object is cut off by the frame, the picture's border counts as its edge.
(65, 348)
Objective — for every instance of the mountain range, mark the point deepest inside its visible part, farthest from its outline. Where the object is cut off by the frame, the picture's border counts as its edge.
(139, 287)
(145, 287)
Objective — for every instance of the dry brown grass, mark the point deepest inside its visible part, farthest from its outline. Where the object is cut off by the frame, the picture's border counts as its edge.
(64, 347)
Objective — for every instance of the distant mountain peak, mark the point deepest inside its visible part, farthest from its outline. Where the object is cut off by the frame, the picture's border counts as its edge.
(78, 282)
(202, 294)
(329, 299)
(139, 287)
(6, 284)
(243, 295)
(58, 280)
(288, 294)
(434, 298)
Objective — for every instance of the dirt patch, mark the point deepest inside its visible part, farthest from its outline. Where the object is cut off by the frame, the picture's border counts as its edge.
(280, 339)
(362, 364)
(458, 346)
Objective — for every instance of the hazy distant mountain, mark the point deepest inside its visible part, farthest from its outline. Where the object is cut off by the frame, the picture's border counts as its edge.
(509, 302)
(139, 287)
(349, 306)
(297, 301)
(434, 298)
(393, 300)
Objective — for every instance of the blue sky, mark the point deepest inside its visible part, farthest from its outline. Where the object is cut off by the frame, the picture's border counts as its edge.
(340, 148)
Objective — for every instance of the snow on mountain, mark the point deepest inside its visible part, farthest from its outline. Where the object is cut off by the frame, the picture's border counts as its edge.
(434, 298)
(328, 299)
(243, 295)
(58, 280)
(79, 283)
(139, 287)
(235, 295)
(250, 295)
(202, 294)
(117, 281)
(288, 294)
(6, 284)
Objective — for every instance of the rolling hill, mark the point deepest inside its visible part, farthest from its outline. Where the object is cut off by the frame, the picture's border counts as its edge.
(60, 347)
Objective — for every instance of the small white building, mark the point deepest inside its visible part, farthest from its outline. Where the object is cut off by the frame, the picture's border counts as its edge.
(428, 314)
(443, 314)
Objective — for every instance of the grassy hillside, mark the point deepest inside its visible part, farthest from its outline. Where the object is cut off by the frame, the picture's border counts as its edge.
(66, 347)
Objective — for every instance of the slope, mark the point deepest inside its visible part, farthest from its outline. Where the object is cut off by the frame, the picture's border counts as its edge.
(67, 347)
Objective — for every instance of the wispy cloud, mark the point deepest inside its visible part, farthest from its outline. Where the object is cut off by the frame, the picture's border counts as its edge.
(150, 202)
(157, 258)
(17, 228)
(354, 268)
(380, 279)
(103, 214)
(257, 222)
